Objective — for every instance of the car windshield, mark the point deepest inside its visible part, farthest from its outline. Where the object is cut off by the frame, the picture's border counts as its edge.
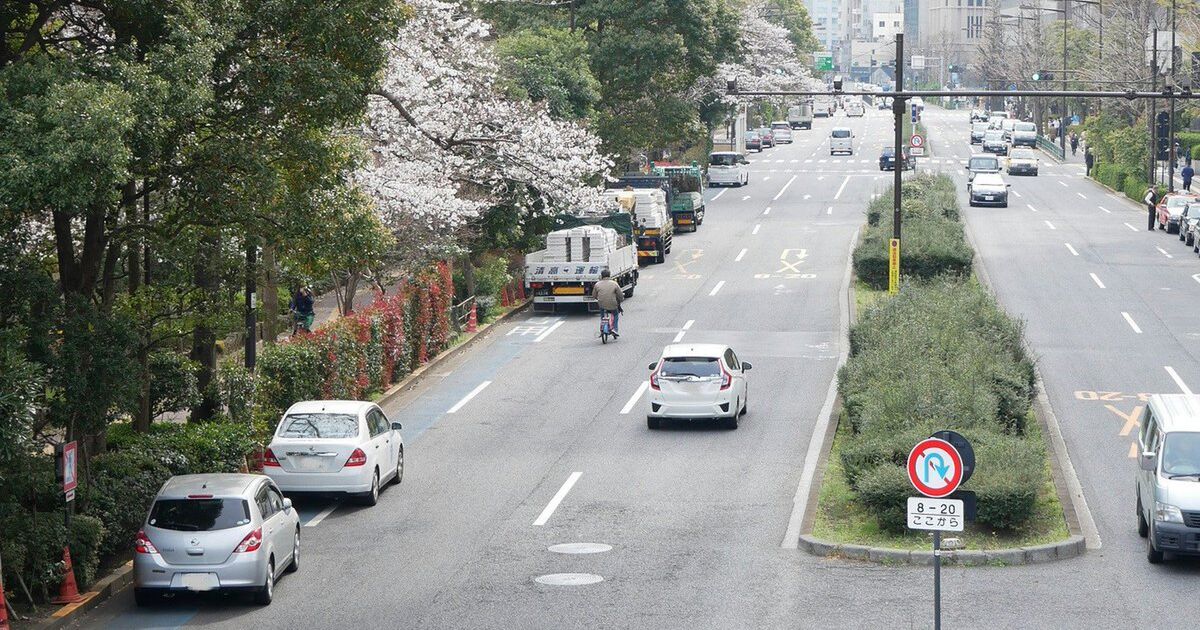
(1025, 154)
(994, 135)
(1181, 454)
(889, 151)
(983, 164)
(988, 180)
(840, 133)
(751, 135)
(722, 159)
(319, 425)
(1178, 202)
(199, 515)
(1026, 126)
(690, 366)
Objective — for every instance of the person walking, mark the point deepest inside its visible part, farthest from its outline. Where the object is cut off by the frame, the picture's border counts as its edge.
(1151, 199)
(1074, 142)
(1088, 161)
(302, 310)
(608, 295)
(1187, 173)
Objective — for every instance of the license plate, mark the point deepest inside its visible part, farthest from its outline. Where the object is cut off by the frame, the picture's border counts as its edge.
(569, 290)
(989, 197)
(685, 221)
(199, 581)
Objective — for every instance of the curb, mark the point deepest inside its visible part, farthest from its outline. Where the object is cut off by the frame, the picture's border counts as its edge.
(1072, 547)
(101, 592)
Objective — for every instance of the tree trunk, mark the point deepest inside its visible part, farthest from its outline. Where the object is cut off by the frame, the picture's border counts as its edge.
(204, 338)
(270, 295)
(142, 417)
(347, 296)
(468, 271)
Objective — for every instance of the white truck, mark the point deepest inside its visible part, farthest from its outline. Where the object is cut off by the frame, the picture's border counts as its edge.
(800, 116)
(565, 271)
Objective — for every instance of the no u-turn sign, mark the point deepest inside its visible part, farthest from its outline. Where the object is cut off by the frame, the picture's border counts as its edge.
(935, 468)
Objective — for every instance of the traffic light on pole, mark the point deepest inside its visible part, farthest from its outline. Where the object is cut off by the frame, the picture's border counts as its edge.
(1162, 133)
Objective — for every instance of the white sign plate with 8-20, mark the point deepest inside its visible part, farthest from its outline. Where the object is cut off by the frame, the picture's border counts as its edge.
(944, 515)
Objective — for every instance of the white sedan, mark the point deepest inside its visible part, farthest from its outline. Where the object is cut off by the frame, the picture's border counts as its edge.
(339, 446)
(697, 382)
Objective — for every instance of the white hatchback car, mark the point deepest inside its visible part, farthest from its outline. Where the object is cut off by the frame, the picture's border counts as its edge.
(697, 382)
(335, 446)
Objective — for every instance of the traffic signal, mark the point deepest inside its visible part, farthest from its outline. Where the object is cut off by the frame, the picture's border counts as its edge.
(1162, 132)
(731, 86)
(1043, 75)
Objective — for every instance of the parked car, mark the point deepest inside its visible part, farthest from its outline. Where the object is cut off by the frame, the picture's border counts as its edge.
(768, 137)
(782, 130)
(1022, 162)
(697, 382)
(982, 163)
(887, 159)
(1168, 477)
(841, 140)
(343, 446)
(1189, 222)
(994, 142)
(753, 141)
(222, 531)
(1024, 134)
(988, 189)
(727, 168)
(978, 130)
(1170, 208)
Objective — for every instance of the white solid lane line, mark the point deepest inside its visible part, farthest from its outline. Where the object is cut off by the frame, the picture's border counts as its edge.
(756, 227)
(718, 195)
(1081, 195)
(546, 333)
(1096, 279)
(1105, 209)
(1163, 252)
(740, 255)
(1131, 227)
(635, 398)
(785, 187)
(841, 188)
(316, 520)
(558, 497)
(1178, 381)
(1050, 225)
(1072, 249)
(466, 399)
(1132, 324)
(1031, 207)
(716, 288)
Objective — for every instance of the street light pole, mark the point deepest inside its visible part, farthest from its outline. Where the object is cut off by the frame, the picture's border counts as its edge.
(1171, 130)
(1062, 120)
(898, 111)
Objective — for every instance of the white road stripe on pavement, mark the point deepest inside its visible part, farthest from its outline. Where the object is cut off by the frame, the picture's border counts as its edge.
(558, 497)
(1050, 225)
(1013, 192)
(1072, 249)
(1063, 184)
(767, 211)
(1178, 381)
(841, 188)
(768, 176)
(1131, 227)
(1105, 209)
(546, 333)
(466, 399)
(785, 187)
(1031, 207)
(756, 226)
(1163, 252)
(716, 288)
(316, 520)
(740, 255)
(1081, 195)
(718, 195)
(1096, 279)
(1132, 324)
(635, 397)
(745, 197)
(829, 210)
(688, 325)
(683, 331)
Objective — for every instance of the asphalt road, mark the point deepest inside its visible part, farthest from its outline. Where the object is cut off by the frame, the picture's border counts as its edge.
(696, 516)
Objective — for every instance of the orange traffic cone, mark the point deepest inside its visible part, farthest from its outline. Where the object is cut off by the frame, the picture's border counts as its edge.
(3, 607)
(504, 299)
(520, 291)
(472, 322)
(68, 592)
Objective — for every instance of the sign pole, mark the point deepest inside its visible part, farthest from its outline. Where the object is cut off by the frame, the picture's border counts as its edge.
(937, 580)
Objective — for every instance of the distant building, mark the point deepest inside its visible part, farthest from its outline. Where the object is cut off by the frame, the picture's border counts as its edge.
(826, 18)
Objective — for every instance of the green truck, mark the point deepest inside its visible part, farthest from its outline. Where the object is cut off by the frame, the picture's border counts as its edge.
(686, 196)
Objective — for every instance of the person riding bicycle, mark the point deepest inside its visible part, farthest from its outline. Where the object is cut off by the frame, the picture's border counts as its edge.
(302, 309)
(608, 296)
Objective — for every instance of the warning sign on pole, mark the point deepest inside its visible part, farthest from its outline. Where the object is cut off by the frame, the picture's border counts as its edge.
(894, 266)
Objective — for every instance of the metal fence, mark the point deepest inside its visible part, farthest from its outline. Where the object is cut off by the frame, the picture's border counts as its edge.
(1048, 145)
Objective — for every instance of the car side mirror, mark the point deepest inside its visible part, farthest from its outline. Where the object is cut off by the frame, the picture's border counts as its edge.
(652, 366)
(746, 366)
(287, 504)
(1147, 460)
(396, 426)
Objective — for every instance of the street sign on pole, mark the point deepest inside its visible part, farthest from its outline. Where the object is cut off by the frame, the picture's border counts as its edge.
(935, 468)
(943, 515)
(823, 62)
(894, 266)
(68, 456)
(918, 62)
(916, 141)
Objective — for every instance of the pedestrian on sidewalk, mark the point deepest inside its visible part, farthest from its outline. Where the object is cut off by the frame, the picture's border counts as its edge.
(1074, 142)
(1187, 173)
(1088, 161)
(302, 310)
(1151, 199)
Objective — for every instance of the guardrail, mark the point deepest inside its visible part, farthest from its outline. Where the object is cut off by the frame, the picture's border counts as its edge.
(1047, 145)
(460, 314)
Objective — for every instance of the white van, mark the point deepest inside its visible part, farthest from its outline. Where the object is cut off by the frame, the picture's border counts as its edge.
(841, 140)
(855, 108)
(782, 131)
(728, 168)
(1168, 495)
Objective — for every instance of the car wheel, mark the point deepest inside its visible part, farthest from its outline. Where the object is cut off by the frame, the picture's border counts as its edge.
(1191, 238)
(371, 497)
(399, 466)
(145, 597)
(653, 424)
(294, 565)
(1180, 233)
(1153, 556)
(746, 407)
(1035, 172)
(266, 592)
(731, 422)
(629, 292)
(1143, 526)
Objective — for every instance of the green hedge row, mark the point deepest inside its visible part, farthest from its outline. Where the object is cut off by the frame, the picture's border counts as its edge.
(933, 239)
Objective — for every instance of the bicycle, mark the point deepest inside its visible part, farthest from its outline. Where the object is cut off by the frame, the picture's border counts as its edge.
(606, 328)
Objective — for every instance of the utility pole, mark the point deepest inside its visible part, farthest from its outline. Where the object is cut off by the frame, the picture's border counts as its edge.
(251, 307)
(1062, 120)
(1171, 130)
(898, 111)
(1153, 110)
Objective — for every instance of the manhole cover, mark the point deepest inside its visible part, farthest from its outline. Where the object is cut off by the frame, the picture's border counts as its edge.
(575, 548)
(568, 579)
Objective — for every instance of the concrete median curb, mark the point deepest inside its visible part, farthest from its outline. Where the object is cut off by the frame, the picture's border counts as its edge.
(100, 592)
(1072, 547)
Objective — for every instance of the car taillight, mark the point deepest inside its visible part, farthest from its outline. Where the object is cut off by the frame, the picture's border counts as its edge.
(654, 380)
(726, 378)
(269, 459)
(251, 542)
(357, 458)
(142, 544)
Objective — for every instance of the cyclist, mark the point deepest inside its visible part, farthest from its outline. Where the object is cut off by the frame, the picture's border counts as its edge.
(608, 296)
(302, 310)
